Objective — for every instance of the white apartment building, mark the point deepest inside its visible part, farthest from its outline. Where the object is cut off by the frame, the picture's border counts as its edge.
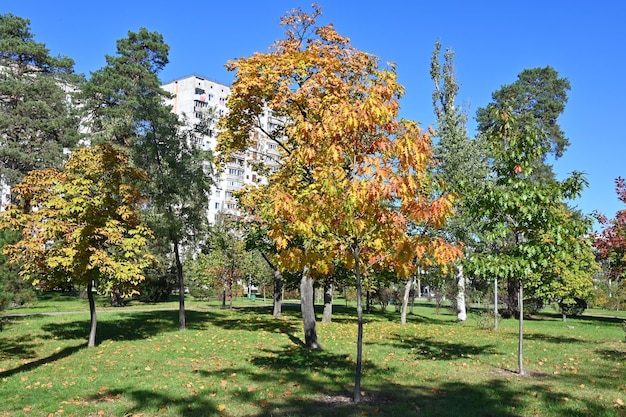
(192, 96)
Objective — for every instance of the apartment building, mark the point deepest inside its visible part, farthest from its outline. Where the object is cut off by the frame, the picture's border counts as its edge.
(192, 97)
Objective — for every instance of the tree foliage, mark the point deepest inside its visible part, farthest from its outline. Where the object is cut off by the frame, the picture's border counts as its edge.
(36, 118)
(461, 162)
(537, 96)
(126, 106)
(81, 225)
(353, 179)
(611, 241)
(528, 227)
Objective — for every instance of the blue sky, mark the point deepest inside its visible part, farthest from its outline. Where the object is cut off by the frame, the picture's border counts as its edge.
(493, 42)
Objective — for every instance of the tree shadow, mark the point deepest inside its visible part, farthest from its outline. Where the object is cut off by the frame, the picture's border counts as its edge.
(427, 348)
(553, 338)
(127, 326)
(43, 361)
(149, 401)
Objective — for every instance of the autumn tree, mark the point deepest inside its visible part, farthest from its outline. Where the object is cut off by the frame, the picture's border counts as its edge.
(611, 241)
(353, 177)
(84, 228)
(126, 106)
(36, 118)
(461, 162)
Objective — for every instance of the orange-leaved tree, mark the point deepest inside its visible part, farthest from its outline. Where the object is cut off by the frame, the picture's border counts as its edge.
(353, 183)
(80, 225)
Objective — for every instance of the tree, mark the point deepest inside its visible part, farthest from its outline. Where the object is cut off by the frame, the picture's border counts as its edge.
(535, 100)
(525, 216)
(353, 177)
(538, 96)
(126, 106)
(84, 227)
(13, 289)
(611, 241)
(36, 119)
(461, 163)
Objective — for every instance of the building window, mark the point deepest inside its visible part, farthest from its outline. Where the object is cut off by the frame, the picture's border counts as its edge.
(235, 171)
(200, 91)
(217, 206)
(198, 104)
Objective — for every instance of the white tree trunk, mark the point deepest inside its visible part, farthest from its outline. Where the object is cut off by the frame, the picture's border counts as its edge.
(405, 300)
(461, 314)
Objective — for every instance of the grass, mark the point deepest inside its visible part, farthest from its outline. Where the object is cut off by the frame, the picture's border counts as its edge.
(56, 302)
(242, 362)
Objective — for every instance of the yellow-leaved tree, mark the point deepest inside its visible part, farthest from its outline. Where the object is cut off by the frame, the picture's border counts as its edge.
(353, 183)
(80, 225)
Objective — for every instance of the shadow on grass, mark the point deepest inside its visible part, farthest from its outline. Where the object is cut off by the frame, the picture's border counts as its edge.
(126, 326)
(427, 348)
(553, 338)
(43, 361)
(156, 402)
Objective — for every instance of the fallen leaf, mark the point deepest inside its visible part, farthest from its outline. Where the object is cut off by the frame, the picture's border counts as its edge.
(221, 407)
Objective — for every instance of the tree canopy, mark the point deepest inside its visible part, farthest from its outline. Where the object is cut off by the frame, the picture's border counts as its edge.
(81, 225)
(36, 116)
(353, 182)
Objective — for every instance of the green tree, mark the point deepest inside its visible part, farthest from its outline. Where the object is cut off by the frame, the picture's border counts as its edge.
(36, 117)
(127, 107)
(85, 229)
(538, 96)
(461, 163)
(535, 100)
(13, 289)
(524, 227)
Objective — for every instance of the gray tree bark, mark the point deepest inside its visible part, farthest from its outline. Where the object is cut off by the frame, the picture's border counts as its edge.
(278, 287)
(307, 307)
(92, 315)
(328, 301)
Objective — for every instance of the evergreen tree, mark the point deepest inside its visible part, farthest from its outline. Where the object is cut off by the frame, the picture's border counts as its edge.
(126, 106)
(36, 118)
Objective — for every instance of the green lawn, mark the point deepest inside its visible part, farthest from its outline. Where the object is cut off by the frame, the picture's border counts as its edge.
(242, 362)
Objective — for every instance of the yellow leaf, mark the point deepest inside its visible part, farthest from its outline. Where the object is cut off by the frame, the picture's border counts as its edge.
(221, 407)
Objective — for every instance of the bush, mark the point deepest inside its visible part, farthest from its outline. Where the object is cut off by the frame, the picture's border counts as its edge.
(159, 288)
(573, 308)
(485, 319)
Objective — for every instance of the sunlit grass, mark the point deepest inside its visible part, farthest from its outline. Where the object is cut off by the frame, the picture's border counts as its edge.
(243, 362)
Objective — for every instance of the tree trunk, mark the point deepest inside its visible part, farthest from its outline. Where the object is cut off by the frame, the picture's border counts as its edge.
(495, 303)
(307, 307)
(328, 301)
(359, 313)
(181, 287)
(461, 312)
(520, 355)
(278, 293)
(278, 287)
(405, 300)
(92, 315)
